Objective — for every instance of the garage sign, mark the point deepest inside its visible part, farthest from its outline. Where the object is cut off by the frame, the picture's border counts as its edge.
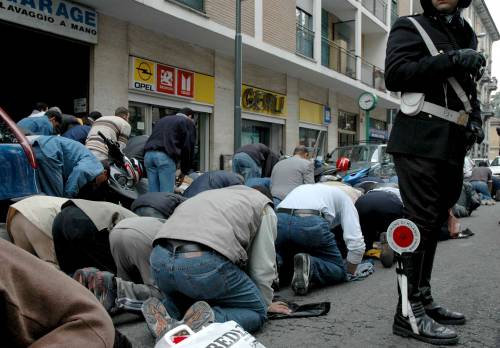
(54, 16)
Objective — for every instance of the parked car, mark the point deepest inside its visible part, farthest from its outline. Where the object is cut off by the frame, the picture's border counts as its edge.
(479, 160)
(495, 166)
(18, 167)
(362, 156)
(366, 160)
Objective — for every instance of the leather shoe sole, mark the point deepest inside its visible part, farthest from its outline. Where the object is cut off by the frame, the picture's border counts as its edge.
(400, 331)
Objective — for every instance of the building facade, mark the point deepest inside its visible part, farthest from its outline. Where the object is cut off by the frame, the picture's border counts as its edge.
(305, 65)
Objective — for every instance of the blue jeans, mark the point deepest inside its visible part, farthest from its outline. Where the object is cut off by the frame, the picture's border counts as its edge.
(309, 235)
(496, 184)
(244, 165)
(482, 188)
(212, 278)
(161, 171)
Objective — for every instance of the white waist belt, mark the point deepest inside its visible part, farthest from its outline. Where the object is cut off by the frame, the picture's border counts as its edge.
(461, 118)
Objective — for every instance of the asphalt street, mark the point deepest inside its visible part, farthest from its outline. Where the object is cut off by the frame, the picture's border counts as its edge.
(466, 278)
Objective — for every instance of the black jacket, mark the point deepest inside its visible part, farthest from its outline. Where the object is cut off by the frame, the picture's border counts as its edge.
(212, 180)
(135, 147)
(176, 136)
(409, 67)
(262, 155)
(164, 202)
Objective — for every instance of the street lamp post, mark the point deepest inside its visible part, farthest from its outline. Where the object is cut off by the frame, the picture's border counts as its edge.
(237, 78)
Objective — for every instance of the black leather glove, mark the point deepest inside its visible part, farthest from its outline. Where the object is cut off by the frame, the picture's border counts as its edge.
(474, 132)
(469, 60)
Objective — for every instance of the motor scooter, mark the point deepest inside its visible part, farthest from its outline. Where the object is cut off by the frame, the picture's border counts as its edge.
(126, 177)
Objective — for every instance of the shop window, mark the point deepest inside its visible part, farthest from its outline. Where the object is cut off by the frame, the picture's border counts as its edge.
(137, 120)
(304, 33)
(195, 4)
(269, 134)
(348, 121)
(311, 138)
(378, 124)
(347, 138)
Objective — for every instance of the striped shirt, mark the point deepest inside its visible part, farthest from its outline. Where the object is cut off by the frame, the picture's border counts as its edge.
(114, 128)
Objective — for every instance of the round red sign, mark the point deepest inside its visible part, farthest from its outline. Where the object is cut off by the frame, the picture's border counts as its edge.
(403, 236)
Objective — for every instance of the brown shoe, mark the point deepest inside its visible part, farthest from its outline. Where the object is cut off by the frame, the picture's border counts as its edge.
(200, 314)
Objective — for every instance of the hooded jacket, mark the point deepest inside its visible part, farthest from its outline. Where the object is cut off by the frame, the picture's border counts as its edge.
(431, 10)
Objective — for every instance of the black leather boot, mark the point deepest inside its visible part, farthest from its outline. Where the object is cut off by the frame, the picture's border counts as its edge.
(433, 310)
(428, 330)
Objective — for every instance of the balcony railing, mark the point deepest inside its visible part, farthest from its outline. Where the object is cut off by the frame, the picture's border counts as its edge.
(338, 58)
(372, 76)
(305, 41)
(377, 7)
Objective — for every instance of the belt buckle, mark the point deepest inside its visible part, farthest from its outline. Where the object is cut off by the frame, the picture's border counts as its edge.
(463, 118)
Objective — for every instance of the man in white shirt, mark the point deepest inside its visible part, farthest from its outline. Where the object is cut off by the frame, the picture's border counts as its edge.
(290, 173)
(305, 218)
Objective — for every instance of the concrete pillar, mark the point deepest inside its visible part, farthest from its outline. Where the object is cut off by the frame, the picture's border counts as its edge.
(317, 30)
(221, 136)
(109, 71)
(358, 43)
(333, 127)
(259, 17)
(292, 121)
(362, 125)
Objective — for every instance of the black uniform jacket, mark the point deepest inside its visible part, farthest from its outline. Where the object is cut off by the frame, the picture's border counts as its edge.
(409, 67)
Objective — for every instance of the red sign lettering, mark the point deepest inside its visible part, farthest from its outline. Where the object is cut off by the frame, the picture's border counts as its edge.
(185, 83)
(166, 79)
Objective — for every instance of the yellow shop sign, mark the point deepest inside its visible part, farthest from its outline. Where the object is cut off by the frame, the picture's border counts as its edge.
(263, 102)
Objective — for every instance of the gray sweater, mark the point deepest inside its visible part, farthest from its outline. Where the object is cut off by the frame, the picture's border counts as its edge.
(290, 173)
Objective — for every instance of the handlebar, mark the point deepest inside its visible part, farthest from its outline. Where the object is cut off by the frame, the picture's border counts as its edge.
(114, 151)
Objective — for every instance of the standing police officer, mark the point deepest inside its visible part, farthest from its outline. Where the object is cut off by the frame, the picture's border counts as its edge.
(429, 147)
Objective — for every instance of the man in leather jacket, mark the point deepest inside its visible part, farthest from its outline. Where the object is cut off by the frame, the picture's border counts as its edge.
(429, 150)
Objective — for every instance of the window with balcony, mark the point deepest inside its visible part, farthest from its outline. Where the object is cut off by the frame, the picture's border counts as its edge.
(195, 4)
(338, 54)
(378, 8)
(305, 33)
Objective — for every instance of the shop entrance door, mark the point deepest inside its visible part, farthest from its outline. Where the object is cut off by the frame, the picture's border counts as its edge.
(41, 67)
(144, 116)
(269, 134)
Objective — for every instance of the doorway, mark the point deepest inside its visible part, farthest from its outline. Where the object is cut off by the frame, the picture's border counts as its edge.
(42, 67)
(144, 116)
